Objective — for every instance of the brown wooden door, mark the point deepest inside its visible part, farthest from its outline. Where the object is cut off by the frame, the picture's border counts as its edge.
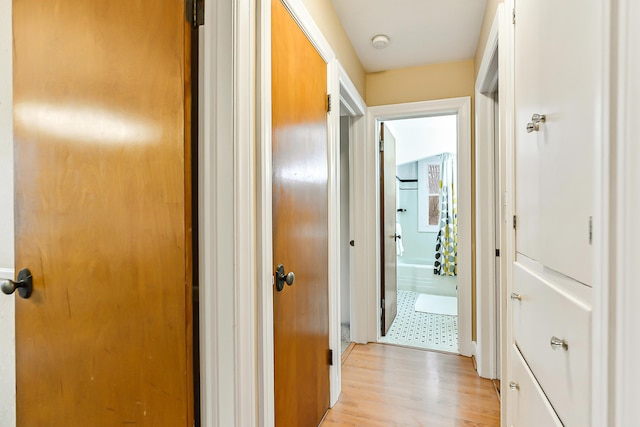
(300, 224)
(389, 285)
(102, 202)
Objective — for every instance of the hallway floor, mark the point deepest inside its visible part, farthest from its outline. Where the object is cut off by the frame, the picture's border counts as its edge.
(421, 330)
(385, 385)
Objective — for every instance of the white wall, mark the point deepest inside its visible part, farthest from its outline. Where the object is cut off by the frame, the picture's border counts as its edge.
(7, 335)
(345, 233)
(423, 137)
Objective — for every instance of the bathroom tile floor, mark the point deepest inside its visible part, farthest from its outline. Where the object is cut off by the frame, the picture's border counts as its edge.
(421, 330)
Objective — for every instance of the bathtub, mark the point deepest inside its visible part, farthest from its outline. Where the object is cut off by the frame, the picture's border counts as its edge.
(417, 275)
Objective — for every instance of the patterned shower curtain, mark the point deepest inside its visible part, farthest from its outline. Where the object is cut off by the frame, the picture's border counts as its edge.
(446, 263)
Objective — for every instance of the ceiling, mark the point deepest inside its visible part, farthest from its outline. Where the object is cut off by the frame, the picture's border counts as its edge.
(420, 31)
(423, 137)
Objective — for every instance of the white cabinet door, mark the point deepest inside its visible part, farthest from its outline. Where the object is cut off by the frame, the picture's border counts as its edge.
(530, 406)
(558, 74)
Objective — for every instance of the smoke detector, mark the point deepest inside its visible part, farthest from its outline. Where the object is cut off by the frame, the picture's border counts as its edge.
(380, 41)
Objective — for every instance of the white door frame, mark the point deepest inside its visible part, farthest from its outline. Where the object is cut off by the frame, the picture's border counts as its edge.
(350, 97)
(462, 107)
(495, 73)
(617, 295)
(227, 153)
(492, 77)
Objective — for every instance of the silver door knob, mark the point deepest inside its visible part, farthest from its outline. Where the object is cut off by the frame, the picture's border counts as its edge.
(514, 386)
(534, 124)
(396, 236)
(24, 285)
(282, 278)
(516, 296)
(558, 344)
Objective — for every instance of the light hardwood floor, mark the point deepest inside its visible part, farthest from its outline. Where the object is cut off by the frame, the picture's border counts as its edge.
(386, 385)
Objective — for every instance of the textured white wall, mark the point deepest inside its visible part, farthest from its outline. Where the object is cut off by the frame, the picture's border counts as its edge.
(7, 335)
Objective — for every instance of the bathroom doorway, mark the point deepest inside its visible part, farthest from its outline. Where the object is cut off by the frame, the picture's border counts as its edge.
(426, 233)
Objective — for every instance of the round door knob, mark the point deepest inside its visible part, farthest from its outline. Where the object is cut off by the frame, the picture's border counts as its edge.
(282, 278)
(290, 278)
(24, 285)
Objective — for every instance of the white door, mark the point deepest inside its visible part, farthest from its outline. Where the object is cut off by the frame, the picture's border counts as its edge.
(557, 75)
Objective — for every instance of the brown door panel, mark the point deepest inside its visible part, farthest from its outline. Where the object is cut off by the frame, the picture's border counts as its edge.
(103, 199)
(300, 224)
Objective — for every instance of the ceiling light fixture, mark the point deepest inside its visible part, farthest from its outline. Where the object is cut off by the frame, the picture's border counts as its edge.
(380, 41)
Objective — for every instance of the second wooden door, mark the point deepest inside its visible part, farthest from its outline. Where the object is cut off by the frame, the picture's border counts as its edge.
(300, 224)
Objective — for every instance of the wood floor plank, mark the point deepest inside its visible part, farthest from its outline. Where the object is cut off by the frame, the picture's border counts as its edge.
(385, 385)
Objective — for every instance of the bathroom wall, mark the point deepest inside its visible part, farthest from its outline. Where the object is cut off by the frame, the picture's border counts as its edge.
(417, 245)
(7, 334)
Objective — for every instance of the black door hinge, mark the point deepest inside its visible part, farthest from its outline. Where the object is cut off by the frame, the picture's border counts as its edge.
(514, 222)
(497, 252)
(330, 357)
(329, 103)
(195, 12)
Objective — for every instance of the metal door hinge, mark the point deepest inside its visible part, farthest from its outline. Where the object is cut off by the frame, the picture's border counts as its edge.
(513, 16)
(514, 222)
(195, 12)
(590, 230)
(382, 304)
(497, 252)
(381, 145)
(329, 103)
(330, 357)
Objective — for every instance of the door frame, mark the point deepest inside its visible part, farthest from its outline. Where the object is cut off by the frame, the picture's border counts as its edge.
(493, 76)
(341, 84)
(462, 107)
(351, 99)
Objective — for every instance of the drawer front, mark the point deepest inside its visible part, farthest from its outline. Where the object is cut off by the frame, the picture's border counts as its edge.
(530, 407)
(544, 311)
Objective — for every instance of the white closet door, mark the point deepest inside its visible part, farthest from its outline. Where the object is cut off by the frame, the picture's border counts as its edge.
(558, 74)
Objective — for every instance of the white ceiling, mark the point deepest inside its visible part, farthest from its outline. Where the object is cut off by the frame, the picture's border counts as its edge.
(421, 31)
(423, 137)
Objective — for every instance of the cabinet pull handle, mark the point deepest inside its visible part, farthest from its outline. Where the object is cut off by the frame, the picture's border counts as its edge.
(534, 124)
(557, 344)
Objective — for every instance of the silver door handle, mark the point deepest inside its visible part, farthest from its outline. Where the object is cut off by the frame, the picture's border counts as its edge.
(534, 124)
(516, 296)
(557, 344)
(514, 386)
(396, 236)
(24, 285)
